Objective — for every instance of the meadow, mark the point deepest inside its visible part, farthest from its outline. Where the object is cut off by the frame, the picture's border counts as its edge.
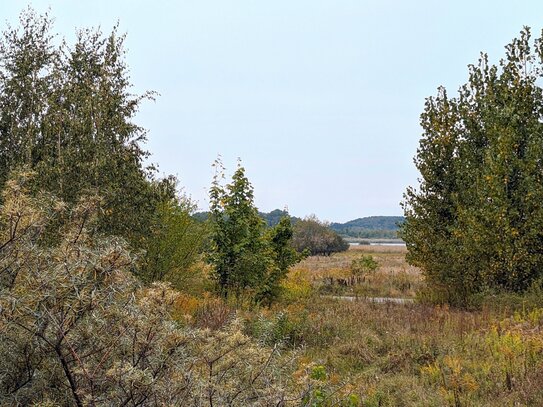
(393, 278)
(364, 353)
(112, 293)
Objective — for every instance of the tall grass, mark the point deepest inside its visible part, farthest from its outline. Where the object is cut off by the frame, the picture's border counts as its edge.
(372, 354)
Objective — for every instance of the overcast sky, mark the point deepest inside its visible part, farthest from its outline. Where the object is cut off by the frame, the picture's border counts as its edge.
(320, 99)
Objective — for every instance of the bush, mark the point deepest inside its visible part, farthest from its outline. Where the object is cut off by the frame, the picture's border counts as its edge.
(76, 328)
(281, 329)
(316, 238)
(363, 265)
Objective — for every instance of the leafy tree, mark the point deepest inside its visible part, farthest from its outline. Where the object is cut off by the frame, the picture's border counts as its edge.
(365, 264)
(317, 238)
(283, 255)
(476, 221)
(67, 113)
(246, 259)
(173, 245)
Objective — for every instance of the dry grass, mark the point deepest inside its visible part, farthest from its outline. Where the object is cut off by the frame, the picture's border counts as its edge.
(407, 355)
(391, 259)
(419, 355)
(395, 354)
(393, 278)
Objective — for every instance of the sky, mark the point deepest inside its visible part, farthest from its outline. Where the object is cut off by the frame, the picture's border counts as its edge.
(319, 99)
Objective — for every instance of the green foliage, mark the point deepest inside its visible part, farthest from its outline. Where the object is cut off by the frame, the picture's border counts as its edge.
(67, 113)
(240, 255)
(314, 237)
(283, 255)
(319, 373)
(173, 246)
(323, 394)
(247, 260)
(280, 329)
(364, 265)
(476, 222)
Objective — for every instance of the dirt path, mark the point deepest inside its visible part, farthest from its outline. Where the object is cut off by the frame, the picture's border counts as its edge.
(378, 300)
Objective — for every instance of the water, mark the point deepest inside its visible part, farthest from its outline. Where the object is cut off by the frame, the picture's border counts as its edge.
(386, 244)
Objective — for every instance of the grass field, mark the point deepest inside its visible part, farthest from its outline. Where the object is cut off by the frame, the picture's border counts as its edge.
(361, 353)
(393, 278)
(407, 355)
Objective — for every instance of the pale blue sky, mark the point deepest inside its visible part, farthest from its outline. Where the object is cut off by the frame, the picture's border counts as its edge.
(320, 99)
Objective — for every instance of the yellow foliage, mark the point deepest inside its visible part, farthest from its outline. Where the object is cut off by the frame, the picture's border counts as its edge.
(185, 306)
(453, 363)
(297, 285)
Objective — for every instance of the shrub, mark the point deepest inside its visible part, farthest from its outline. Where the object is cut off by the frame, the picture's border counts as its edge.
(76, 328)
(316, 238)
(364, 265)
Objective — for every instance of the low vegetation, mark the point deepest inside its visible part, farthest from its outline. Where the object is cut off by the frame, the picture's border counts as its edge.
(369, 353)
(407, 354)
(76, 327)
(364, 271)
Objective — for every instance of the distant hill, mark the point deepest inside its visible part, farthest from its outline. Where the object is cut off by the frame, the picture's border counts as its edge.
(200, 216)
(370, 227)
(372, 223)
(272, 218)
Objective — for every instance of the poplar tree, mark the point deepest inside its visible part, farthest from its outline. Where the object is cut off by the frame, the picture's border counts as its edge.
(476, 221)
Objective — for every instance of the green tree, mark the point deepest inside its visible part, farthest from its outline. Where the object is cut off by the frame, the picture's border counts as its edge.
(67, 113)
(173, 246)
(283, 255)
(476, 221)
(316, 238)
(363, 265)
(246, 260)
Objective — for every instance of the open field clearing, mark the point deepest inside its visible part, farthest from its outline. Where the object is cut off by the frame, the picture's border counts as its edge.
(406, 354)
(416, 355)
(392, 278)
(387, 354)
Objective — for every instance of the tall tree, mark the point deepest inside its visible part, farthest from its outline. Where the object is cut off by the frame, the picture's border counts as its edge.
(284, 255)
(476, 220)
(67, 112)
(246, 260)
